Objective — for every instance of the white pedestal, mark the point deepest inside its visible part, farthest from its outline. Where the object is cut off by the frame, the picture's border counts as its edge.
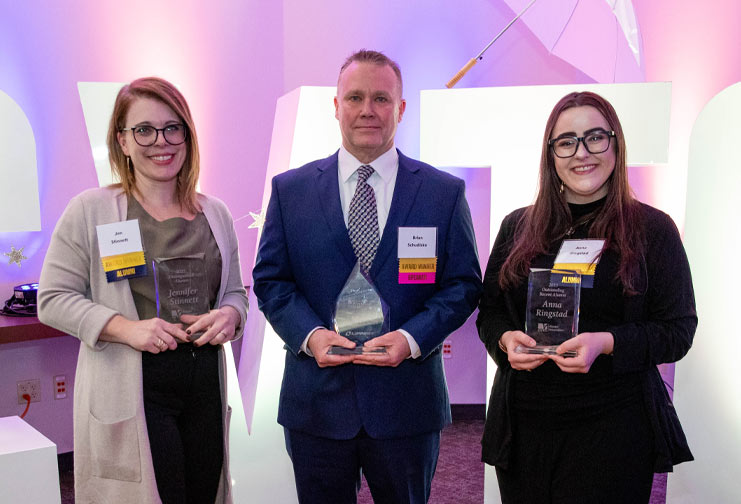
(28, 464)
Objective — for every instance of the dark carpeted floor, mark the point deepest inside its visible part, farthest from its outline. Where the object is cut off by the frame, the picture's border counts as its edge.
(460, 474)
(66, 478)
(459, 478)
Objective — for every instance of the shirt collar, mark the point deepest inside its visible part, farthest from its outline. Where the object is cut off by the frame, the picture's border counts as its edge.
(385, 165)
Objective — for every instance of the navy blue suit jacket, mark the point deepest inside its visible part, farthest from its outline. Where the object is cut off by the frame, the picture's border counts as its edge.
(303, 261)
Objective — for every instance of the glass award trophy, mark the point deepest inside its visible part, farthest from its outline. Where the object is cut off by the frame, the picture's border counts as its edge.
(181, 287)
(360, 314)
(552, 314)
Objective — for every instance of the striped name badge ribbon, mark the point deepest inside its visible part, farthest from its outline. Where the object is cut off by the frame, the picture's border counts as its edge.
(581, 256)
(417, 271)
(121, 250)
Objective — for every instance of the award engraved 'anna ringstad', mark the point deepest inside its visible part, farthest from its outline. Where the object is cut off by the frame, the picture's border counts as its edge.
(181, 287)
(552, 314)
(360, 314)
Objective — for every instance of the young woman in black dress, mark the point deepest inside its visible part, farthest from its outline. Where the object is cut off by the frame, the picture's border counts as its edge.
(595, 427)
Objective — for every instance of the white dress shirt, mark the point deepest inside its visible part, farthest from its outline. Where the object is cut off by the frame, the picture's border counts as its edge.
(383, 181)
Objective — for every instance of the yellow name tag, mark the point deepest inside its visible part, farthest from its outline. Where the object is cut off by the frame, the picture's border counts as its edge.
(418, 265)
(581, 256)
(584, 269)
(121, 261)
(121, 250)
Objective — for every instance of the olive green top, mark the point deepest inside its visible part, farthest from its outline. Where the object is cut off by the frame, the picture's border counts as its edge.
(175, 237)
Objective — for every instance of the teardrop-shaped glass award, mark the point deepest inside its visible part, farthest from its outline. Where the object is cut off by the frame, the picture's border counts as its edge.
(360, 314)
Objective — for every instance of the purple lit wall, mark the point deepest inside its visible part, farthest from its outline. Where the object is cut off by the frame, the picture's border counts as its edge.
(224, 56)
(232, 60)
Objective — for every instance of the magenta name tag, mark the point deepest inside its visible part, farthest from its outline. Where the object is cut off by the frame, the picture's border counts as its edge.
(417, 278)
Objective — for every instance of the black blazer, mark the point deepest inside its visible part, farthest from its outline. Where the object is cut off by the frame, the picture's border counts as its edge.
(658, 326)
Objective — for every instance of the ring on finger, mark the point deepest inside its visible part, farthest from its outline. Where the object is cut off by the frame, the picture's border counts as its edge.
(160, 343)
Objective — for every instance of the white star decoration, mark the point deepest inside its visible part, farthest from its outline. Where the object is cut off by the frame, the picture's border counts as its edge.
(259, 220)
(16, 256)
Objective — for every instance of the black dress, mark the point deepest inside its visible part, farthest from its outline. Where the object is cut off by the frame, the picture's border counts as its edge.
(182, 392)
(655, 326)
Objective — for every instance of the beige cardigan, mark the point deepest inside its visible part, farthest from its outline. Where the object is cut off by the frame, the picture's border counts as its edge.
(113, 462)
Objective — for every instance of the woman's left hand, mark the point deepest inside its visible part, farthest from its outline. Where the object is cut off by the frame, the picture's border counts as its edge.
(219, 325)
(588, 346)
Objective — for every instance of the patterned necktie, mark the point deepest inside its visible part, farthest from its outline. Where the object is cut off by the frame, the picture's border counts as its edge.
(362, 220)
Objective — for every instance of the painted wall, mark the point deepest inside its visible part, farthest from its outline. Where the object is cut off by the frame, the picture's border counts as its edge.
(224, 56)
(430, 40)
(233, 59)
(42, 360)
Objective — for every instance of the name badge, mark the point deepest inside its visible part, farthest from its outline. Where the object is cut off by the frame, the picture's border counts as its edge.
(417, 252)
(582, 256)
(121, 250)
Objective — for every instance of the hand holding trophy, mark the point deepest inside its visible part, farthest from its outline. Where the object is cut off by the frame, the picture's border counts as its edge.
(360, 314)
(181, 287)
(552, 314)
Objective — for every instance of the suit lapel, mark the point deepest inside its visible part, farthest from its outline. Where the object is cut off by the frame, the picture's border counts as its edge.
(405, 190)
(329, 200)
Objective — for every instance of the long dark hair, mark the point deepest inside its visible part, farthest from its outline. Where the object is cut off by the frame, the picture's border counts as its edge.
(549, 218)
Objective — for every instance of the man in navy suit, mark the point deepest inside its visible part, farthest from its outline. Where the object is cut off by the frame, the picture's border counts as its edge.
(377, 413)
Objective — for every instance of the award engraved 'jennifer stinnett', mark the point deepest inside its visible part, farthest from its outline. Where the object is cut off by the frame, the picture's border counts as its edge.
(181, 287)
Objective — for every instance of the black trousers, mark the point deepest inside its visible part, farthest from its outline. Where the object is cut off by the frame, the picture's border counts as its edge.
(182, 403)
(604, 460)
(328, 471)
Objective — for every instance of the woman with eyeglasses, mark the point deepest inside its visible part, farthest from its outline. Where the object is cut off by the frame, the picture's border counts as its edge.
(594, 426)
(150, 412)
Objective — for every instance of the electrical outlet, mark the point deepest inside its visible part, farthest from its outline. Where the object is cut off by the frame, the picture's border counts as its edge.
(60, 387)
(30, 387)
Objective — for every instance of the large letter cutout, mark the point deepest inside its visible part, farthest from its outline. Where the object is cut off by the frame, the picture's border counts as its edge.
(19, 184)
(97, 99)
(304, 129)
(710, 376)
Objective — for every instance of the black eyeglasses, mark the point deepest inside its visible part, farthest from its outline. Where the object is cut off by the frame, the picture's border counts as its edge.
(596, 142)
(146, 136)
